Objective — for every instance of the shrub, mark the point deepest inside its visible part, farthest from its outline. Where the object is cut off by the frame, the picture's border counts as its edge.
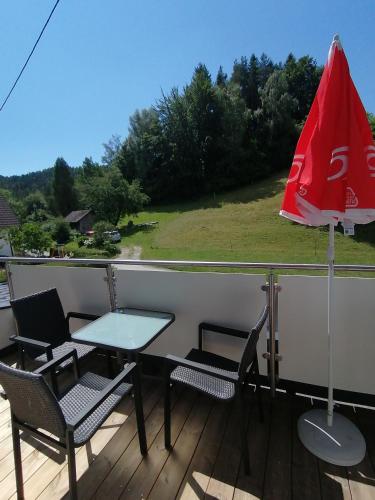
(61, 231)
(30, 238)
(99, 229)
(110, 249)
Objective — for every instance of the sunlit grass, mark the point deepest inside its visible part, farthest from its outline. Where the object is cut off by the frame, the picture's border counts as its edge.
(242, 225)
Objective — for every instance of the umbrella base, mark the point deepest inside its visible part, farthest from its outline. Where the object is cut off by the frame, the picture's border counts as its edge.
(341, 444)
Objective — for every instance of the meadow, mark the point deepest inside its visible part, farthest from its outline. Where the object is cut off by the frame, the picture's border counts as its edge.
(241, 225)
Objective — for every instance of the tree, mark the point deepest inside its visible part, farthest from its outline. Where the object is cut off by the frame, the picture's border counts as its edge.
(111, 196)
(111, 149)
(61, 231)
(371, 119)
(280, 133)
(30, 238)
(221, 78)
(303, 78)
(63, 187)
(90, 167)
(36, 208)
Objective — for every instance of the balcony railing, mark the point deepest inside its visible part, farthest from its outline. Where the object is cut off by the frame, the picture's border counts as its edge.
(295, 343)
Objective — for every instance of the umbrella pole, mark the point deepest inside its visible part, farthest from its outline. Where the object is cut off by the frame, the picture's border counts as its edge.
(335, 440)
(331, 272)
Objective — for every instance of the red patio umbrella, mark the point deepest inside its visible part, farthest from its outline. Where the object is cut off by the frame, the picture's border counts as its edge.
(332, 179)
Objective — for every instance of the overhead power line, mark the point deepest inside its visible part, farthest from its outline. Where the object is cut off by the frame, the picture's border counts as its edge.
(29, 57)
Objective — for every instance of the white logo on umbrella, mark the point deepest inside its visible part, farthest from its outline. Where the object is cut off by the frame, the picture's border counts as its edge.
(297, 162)
(351, 198)
(370, 153)
(343, 158)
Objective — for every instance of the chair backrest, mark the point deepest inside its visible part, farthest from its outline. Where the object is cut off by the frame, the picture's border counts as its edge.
(249, 351)
(40, 316)
(31, 400)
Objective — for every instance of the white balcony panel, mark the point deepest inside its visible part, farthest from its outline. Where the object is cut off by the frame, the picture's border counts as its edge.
(232, 300)
(303, 331)
(80, 289)
(7, 326)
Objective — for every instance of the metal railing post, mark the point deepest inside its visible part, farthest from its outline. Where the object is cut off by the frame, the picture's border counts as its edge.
(272, 355)
(9, 279)
(272, 333)
(111, 281)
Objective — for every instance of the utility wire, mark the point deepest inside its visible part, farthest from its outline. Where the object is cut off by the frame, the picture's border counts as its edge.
(29, 57)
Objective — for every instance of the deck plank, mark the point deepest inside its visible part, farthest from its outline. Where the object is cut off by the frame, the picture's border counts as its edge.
(58, 488)
(198, 475)
(305, 467)
(173, 472)
(223, 480)
(278, 470)
(104, 463)
(250, 487)
(361, 476)
(147, 473)
(365, 420)
(130, 459)
(205, 460)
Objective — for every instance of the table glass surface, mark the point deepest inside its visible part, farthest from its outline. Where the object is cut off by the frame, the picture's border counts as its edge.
(127, 329)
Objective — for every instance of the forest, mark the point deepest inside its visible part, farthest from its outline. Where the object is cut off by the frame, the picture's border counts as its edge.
(213, 135)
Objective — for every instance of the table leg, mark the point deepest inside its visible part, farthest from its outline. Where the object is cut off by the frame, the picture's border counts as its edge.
(139, 407)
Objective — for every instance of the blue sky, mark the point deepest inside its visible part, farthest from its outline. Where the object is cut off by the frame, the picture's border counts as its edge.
(100, 60)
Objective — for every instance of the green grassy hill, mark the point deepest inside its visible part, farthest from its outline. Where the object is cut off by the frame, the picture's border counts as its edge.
(242, 225)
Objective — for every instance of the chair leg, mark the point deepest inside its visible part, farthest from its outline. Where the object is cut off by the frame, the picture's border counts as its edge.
(258, 389)
(243, 429)
(167, 406)
(17, 460)
(71, 466)
(139, 410)
(21, 358)
(109, 364)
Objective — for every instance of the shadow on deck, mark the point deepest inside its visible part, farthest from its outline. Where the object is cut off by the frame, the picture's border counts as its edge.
(205, 461)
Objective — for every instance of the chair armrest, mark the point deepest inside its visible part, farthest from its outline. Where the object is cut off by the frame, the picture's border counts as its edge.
(35, 344)
(199, 367)
(79, 315)
(90, 408)
(220, 329)
(51, 365)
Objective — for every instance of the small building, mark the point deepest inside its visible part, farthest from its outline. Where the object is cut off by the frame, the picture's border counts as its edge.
(81, 220)
(8, 219)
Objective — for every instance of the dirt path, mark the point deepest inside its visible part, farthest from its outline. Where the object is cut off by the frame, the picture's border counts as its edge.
(133, 253)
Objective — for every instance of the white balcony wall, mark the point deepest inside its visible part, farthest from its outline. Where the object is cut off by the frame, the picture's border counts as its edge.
(303, 331)
(7, 326)
(233, 300)
(81, 289)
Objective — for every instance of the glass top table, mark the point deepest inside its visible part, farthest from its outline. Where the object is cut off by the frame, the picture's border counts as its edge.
(125, 329)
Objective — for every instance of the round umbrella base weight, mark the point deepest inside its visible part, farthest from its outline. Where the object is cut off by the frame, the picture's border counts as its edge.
(340, 444)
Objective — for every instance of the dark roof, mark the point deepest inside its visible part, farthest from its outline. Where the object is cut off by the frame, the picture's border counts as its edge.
(77, 215)
(7, 216)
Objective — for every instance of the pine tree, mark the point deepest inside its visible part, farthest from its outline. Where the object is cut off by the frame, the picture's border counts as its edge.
(63, 187)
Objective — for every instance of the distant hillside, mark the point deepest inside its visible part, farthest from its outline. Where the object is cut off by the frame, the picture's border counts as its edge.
(22, 185)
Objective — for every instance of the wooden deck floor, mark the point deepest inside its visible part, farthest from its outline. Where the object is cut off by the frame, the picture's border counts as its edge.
(204, 463)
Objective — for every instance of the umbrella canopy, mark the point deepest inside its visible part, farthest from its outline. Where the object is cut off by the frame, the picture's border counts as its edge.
(333, 171)
(332, 179)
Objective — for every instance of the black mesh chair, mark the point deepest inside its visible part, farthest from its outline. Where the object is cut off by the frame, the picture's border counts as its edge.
(74, 418)
(216, 376)
(43, 329)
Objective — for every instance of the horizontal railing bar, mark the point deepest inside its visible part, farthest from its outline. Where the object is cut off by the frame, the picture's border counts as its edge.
(189, 263)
